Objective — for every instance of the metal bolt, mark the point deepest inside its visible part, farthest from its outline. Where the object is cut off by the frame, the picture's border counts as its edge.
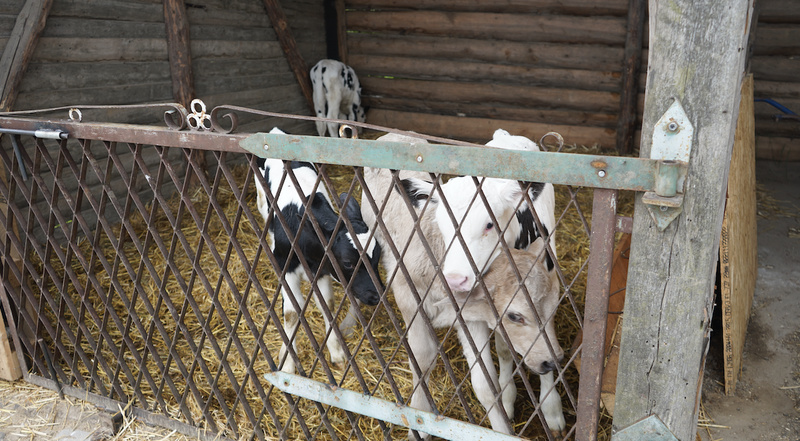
(419, 158)
(419, 420)
(266, 146)
(663, 208)
(601, 173)
(673, 126)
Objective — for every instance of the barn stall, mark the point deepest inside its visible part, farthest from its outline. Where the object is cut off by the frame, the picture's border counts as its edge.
(407, 95)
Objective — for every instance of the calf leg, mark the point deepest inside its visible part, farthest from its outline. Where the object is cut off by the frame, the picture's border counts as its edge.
(483, 384)
(423, 349)
(290, 320)
(507, 386)
(333, 99)
(319, 105)
(324, 284)
(551, 405)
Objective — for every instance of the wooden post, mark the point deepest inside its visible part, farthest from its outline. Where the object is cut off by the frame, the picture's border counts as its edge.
(626, 123)
(180, 55)
(697, 54)
(341, 24)
(19, 49)
(289, 45)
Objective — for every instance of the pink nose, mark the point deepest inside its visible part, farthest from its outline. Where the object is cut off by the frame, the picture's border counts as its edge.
(457, 282)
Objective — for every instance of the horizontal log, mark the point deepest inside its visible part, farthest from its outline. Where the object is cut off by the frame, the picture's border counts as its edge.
(121, 10)
(545, 116)
(7, 22)
(767, 125)
(571, 7)
(599, 57)
(59, 76)
(777, 89)
(762, 109)
(777, 39)
(778, 11)
(777, 148)
(775, 68)
(89, 28)
(113, 95)
(481, 129)
(492, 93)
(427, 68)
(513, 27)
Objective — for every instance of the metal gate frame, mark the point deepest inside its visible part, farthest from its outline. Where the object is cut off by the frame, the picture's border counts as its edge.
(604, 173)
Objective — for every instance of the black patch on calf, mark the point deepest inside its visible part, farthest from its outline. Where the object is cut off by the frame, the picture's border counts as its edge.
(528, 234)
(416, 196)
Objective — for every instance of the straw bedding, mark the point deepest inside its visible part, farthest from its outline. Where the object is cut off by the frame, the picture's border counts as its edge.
(167, 298)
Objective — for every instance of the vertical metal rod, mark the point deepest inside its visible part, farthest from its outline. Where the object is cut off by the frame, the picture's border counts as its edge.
(52, 368)
(15, 141)
(598, 286)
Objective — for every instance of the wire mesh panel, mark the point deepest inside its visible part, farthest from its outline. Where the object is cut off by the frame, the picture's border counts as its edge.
(153, 278)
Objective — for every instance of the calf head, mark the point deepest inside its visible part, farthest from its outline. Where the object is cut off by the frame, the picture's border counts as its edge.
(347, 255)
(527, 319)
(480, 232)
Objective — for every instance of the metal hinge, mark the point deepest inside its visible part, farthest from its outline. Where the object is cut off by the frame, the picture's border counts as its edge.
(672, 145)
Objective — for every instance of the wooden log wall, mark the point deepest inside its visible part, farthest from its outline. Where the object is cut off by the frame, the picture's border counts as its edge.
(116, 52)
(462, 69)
(775, 64)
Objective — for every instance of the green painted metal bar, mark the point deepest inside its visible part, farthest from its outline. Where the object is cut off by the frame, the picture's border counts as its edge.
(612, 172)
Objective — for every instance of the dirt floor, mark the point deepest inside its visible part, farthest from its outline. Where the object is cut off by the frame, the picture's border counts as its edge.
(766, 404)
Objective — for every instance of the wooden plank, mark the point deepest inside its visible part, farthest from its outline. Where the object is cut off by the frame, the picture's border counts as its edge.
(775, 68)
(9, 362)
(778, 11)
(474, 92)
(478, 25)
(738, 251)
(777, 89)
(778, 148)
(528, 114)
(19, 49)
(630, 76)
(777, 39)
(696, 56)
(341, 31)
(566, 56)
(180, 56)
(569, 7)
(430, 68)
(481, 129)
(289, 46)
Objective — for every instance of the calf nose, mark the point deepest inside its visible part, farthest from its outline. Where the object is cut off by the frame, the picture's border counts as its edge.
(457, 282)
(370, 298)
(548, 366)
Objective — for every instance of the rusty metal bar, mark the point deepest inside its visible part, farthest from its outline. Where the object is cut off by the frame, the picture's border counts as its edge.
(604, 211)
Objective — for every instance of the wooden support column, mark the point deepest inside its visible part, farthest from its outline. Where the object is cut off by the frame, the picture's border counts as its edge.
(19, 49)
(289, 46)
(697, 55)
(626, 124)
(341, 25)
(180, 54)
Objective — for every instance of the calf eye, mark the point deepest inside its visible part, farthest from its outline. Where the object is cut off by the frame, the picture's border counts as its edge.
(516, 318)
(489, 226)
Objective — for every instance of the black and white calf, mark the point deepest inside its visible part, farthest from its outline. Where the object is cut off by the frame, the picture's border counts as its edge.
(337, 95)
(346, 255)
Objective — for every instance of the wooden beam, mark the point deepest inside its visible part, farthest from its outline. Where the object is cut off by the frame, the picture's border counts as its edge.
(341, 29)
(180, 56)
(289, 45)
(697, 55)
(19, 49)
(630, 77)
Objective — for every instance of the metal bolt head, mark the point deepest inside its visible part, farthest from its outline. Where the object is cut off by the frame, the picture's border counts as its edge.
(673, 126)
(419, 158)
(601, 173)
(663, 208)
(266, 146)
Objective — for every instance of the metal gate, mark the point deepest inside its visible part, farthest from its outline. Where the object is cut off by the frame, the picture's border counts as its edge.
(138, 274)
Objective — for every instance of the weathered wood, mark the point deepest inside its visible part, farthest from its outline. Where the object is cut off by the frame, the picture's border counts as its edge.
(567, 56)
(479, 25)
(481, 129)
(778, 11)
(570, 7)
(499, 93)
(19, 49)
(777, 148)
(477, 110)
(697, 54)
(630, 77)
(341, 31)
(738, 250)
(777, 39)
(180, 56)
(775, 68)
(289, 46)
(416, 67)
(777, 89)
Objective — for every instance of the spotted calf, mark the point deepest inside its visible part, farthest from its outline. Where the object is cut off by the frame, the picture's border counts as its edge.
(337, 95)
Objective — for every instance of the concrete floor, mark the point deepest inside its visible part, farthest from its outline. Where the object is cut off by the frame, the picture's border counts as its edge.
(766, 405)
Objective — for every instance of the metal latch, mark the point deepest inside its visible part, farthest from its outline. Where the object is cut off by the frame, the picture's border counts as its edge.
(672, 145)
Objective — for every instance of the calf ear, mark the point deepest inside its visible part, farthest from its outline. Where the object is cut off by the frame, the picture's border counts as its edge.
(323, 213)
(351, 208)
(473, 306)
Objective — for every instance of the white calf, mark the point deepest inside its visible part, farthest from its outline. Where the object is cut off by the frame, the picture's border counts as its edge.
(515, 311)
(337, 95)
